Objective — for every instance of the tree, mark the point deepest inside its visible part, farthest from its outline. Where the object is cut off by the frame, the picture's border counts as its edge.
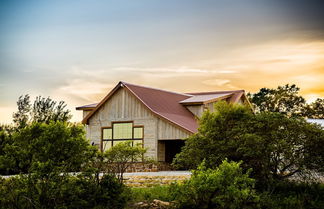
(273, 145)
(283, 99)
(315, 109)
(217, 138)
(119, 157)
(43, 110)
(42, 138)
(21, 117)
(39, 146)
(226, 186)
(281, 147)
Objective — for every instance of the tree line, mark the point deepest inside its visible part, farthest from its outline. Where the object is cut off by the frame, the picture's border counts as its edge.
(269, 157)
(286, 100)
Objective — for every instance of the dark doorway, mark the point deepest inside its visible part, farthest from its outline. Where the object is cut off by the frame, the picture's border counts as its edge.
(172, 147)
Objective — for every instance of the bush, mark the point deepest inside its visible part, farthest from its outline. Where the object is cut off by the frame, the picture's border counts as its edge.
(39, 146)
(295, 195)
(62, 191)
(119, 157)
(224, 187)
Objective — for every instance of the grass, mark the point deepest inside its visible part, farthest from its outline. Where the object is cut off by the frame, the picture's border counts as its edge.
(148, 194)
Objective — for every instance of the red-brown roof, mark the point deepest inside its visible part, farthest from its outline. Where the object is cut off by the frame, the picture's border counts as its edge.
(204, 99)
(168, 105)
(236, 94)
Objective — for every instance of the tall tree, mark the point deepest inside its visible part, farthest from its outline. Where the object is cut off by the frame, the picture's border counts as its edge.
(46, 110)
(21, 117)
(283, 99)
(43, 110)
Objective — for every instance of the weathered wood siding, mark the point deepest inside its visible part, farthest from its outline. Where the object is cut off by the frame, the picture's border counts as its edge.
(169, 131)
(197, 110)
(123, 106)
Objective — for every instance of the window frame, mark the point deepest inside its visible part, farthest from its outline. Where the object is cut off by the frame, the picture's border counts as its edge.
(112, 134)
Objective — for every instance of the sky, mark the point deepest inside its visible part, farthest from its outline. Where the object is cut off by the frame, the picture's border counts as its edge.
(77, 51)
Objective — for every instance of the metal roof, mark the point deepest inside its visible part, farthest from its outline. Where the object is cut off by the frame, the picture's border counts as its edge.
(205, 98)
(166, 104)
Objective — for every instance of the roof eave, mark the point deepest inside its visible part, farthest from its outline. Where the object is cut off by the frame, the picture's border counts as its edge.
(191, 103)
(86, 119)
(207, 101)
(85, 108)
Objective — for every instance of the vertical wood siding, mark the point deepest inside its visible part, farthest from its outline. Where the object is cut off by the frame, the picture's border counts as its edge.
(123, 106)
(197, 110)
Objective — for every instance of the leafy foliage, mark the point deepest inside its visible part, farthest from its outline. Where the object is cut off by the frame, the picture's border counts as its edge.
(315, 109)
(21, 117)
(274, 146)
(279, 147)
(39, 146)
(45, 149)
(224, 187)
(217, 134)
(118, 158)
(43, 110)
(296, 195)
(61, 191)
(285, 100)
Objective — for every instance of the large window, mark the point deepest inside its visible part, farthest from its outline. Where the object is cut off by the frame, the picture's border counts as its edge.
(121, 132)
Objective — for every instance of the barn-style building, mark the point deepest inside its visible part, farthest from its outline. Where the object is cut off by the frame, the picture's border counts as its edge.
(157, 118)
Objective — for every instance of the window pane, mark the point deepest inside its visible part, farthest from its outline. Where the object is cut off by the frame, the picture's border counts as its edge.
(107, 133)
(123, 130)
(120, 141)
(106, 145)
(138, 133)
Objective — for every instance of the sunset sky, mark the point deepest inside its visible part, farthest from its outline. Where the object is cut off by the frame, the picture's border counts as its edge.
(77, 51)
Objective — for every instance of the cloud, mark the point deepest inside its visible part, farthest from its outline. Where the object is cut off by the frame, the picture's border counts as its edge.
(165, 70)
(226, 71)
(249, 68)
(85, 90)
(217, 82)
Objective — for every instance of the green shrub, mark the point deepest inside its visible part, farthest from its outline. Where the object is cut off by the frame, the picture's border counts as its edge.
(40, 146)
(286, 195)
(224, 187)
(119, 157)
(62, 191)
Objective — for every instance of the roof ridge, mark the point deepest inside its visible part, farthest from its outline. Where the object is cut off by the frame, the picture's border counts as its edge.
(184, 94)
